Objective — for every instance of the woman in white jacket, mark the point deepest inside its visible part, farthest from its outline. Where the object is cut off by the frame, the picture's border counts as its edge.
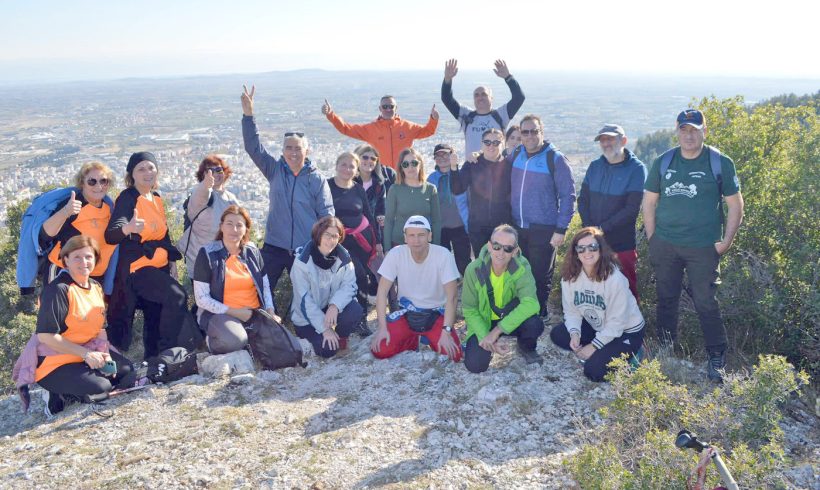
(602, 320)
(324, 309)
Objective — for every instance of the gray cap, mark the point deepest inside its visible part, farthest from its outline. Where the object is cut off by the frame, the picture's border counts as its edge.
(610, 130)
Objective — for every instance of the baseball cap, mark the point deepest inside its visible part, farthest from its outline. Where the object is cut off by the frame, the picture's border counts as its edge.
(442, 146)
(610, 130)
(417, 221)
(692, 117)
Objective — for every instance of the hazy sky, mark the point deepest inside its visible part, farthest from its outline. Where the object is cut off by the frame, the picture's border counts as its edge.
(89, 39)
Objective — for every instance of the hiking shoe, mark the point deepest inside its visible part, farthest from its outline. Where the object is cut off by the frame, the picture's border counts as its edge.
(716, 366)
(545, 312)
(53, 404)
(362, 330)
(531, 356)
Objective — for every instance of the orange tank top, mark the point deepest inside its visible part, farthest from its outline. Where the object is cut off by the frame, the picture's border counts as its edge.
(92, 221)
(155, 229)
(240, 292)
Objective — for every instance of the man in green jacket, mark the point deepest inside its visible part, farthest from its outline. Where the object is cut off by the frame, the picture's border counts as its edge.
(499, 298)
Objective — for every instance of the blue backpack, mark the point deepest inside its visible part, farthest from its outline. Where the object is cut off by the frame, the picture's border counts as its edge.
(714, 162)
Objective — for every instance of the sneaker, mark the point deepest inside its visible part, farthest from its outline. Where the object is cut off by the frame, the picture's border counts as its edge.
(531, 356)
(53, 404)
(362, 330)
(716, 366)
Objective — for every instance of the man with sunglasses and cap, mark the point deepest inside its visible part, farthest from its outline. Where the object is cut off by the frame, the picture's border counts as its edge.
(427, 287)
(498, 298)
(683, 216)
(299, 194)
(389, 133)
(611, 196)
(454, 209)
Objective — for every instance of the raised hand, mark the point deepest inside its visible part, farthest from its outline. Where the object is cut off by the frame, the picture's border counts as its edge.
(209, 180)
(72, 207)
(326, 109)
(453, 161)
(433, 112)
(247, 100)
(136, 224)
(450, 70)
(501, 69)
(472, 157)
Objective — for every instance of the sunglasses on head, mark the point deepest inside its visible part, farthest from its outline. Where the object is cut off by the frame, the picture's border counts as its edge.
(103, 182)
(369, 157)
(216, 170)
(528, 132)
(507, 248)
(388, 106)
(493, 143)
(592, 247)
(298, 134)
(406, 164)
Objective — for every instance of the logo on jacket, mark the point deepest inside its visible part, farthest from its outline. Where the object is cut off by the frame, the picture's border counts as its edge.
(401, 135)
(697, 175)
(589, 298)
(669, 174)
(679, 189)
(593, 318)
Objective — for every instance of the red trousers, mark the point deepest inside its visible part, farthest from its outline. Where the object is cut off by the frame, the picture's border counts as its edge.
(629, 263)
(402, 338)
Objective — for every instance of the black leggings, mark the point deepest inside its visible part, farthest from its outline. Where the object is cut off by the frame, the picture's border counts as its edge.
(80, 380)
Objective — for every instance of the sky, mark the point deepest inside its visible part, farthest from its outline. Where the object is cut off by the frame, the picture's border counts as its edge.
(49, 40)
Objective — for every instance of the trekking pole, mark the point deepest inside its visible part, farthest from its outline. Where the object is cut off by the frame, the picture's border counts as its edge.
(686, 439)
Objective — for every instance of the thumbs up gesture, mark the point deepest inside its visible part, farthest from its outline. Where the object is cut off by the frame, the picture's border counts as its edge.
(326, 109)
(208, 180)
(73, 206)
(136, 224)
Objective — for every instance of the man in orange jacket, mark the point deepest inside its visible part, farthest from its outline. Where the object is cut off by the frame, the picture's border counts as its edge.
(389, 133)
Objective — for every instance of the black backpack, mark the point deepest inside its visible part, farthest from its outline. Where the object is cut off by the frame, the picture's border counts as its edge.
(170, 365)
(272, 344)
(470, 116)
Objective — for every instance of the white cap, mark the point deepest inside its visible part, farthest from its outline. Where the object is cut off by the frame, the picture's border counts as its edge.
(417, 221)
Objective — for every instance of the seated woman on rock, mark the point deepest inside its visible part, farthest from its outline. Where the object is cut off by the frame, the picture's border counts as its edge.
(229, 283)
(601, 317)
(324, 309)
(70, 350)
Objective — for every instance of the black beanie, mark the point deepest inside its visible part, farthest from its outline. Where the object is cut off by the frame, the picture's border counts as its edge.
(138, 157)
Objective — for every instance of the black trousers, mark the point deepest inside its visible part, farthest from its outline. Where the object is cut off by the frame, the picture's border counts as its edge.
(80, 380)
(276, 259)
(458, 242)
(595, 368)
(366, 281)
(479, 236)
(535, 245)
(477, 360)
(346, 323)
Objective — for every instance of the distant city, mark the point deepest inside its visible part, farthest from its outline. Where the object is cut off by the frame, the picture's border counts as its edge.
(47, 131)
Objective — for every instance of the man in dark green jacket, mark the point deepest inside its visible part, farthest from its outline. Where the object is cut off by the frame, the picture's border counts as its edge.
(499, 298)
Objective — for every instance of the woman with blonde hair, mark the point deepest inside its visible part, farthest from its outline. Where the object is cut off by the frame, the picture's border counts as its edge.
(411, 195)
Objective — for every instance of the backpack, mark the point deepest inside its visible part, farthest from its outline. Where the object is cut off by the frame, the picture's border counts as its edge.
(714, 163)
(468, 119)
(272, 344)
(170, 365)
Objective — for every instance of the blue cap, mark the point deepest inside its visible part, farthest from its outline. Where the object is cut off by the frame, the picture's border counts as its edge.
(692, 117)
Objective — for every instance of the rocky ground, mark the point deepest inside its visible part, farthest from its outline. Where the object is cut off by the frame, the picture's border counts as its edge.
(414, 421)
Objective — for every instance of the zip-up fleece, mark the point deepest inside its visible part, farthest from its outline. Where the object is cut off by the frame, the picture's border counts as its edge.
(488, 186)
(296, 201)
(476, 303)
(388, 136)
(611, 197)
(538, 197)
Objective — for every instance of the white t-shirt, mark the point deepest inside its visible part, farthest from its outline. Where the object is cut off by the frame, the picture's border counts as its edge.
(423, 284)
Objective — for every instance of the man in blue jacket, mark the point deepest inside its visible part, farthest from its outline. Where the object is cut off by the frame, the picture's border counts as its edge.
(611, 197)
(543, 201)
(299, 194)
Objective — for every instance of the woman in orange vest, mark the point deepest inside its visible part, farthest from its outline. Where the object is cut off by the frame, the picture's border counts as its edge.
(143, 270)
(74, 360)
(87, 211)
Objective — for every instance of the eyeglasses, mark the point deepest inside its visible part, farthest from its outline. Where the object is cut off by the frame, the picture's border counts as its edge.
(388, 106)
(507, 248)
(103, 182)
(406, 164)
(528, 132)
(331, 236)
(369, 157)
(442, 154)
(493, 143)
(216, 170)
(297, 134)
(592, 247)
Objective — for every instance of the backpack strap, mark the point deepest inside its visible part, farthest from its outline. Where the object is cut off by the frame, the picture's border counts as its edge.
(468, 119)
(717, 172)
(190, 223)
(666, 160)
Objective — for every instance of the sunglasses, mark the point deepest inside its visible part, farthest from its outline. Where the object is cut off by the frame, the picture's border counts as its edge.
(507, 248)
(371, 158)
(388, 106)
(414, 163)
(216, 170)
(530, 132)
(489, 143)
(103, 182)
(298, 134)
(592, 247)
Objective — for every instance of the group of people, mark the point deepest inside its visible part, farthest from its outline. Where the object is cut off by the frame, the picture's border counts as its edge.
(490, 222)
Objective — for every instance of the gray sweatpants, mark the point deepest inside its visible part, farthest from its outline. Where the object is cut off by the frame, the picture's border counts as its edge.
(226, 334)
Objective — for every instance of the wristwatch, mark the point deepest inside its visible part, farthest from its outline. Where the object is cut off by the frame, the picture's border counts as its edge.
(447, 328)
